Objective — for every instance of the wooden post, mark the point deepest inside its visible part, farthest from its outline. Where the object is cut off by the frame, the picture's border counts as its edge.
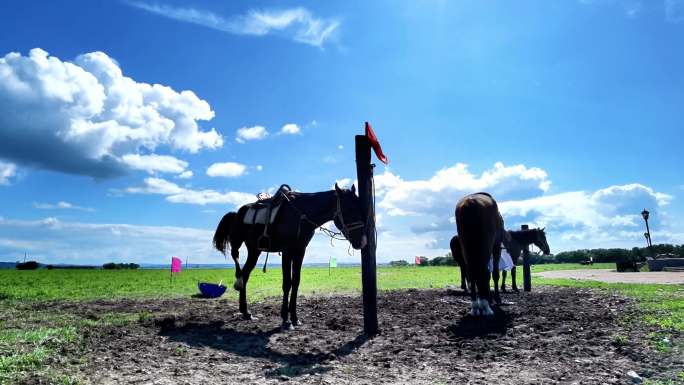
(527, 274)
(364, 172)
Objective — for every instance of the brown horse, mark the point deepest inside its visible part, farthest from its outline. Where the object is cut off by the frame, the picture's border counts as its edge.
(518, 240)
(480, 232)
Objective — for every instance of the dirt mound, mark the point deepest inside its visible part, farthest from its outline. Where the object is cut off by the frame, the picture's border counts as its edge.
(550, 336)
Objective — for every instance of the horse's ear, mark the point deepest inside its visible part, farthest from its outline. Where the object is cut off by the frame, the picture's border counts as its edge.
(337, 188)
(353, 189)
(543, 228)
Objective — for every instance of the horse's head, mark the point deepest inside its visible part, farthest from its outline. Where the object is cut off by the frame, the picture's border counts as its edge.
(540, 241)
(348, 218)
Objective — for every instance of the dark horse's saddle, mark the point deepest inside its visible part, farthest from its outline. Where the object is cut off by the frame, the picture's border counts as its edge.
(264, 212)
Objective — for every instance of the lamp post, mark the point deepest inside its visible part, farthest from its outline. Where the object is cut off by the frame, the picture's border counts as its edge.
(645, 215)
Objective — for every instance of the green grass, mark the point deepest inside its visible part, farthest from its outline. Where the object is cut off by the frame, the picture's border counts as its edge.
(46, 285)
(24, 352)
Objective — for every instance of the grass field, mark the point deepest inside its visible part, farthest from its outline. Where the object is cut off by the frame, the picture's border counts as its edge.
(25, 348)
(46, 285)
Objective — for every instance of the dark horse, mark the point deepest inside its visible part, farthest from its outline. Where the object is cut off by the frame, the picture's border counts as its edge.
(480, 232)
(515, 242)
(299, 216)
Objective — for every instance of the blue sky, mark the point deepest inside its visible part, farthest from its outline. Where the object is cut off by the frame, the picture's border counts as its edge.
(130, 127)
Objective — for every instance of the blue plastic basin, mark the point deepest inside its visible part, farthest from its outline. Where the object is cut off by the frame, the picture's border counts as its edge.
(211, 290)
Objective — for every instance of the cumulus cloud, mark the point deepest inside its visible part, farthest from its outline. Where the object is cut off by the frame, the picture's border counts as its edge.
(177, 194)
(290, 129)
(153, 163)
(82, 117)
(7, 171)
(421, 212)
(61, 205)
(251, 133)
(227, 169)
(605, 210)
(439, 194)
(295, 23)
(96, 243)
(185, 175)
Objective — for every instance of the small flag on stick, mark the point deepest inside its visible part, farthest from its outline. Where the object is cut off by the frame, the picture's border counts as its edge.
(332, 263)
(175, 267)
(176, 264)
(417, 260)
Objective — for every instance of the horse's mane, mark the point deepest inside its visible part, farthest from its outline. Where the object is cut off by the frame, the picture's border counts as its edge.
(524, 236)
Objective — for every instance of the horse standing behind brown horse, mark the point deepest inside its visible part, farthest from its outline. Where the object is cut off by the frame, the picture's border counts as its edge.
(480, 231)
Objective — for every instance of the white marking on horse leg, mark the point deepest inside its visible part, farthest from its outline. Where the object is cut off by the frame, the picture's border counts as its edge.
(364, 241)
(486, 310)
(238, 285)
(474, 308)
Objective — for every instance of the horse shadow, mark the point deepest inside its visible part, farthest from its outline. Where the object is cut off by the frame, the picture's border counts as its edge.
(254, 344)
(470, 327)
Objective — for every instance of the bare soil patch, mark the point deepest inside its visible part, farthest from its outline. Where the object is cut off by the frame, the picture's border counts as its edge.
(612, 276)
(549, 336)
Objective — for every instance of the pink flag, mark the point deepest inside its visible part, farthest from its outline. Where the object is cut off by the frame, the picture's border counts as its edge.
(176, 264)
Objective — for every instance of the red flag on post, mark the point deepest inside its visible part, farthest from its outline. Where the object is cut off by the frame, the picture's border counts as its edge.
(375, 144)
(417, 260)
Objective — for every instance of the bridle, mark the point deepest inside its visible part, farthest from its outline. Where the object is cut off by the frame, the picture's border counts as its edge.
(346, 228)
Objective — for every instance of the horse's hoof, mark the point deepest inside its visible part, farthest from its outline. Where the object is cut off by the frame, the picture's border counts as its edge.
(248, 317)
(286, 326)
(296, 322)
(503, 290)
(515, 290)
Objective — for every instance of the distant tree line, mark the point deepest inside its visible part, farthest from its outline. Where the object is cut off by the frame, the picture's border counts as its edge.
(120, 266)
(636, 254)
(33, 265)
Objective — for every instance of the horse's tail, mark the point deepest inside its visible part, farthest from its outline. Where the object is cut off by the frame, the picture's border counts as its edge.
(222, 234)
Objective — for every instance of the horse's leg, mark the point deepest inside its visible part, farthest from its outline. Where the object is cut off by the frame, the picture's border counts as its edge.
(496, 254)
(514, 286)
(464, 278)
(287, 284)
(503, 281)
(297, 259)
(235, 253)
(252, 258)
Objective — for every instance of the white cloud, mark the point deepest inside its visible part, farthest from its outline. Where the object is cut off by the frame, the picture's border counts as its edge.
(251, 133)
(259, 167)
(440, 193)
(344, 182)
(7, 171)
(340, 147)
(177, 194)
(153, 162)
(227, 169)
(296, 23)
(81, 117)
(421, 212)
(290, 129)
(61, 205)
(185, 175)
(95, 243)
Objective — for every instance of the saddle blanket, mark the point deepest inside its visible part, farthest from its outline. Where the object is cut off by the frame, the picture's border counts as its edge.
(505, 263)
(257, 215)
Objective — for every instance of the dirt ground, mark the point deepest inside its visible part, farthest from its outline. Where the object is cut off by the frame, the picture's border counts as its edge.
(549, 336)
(611, 276)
